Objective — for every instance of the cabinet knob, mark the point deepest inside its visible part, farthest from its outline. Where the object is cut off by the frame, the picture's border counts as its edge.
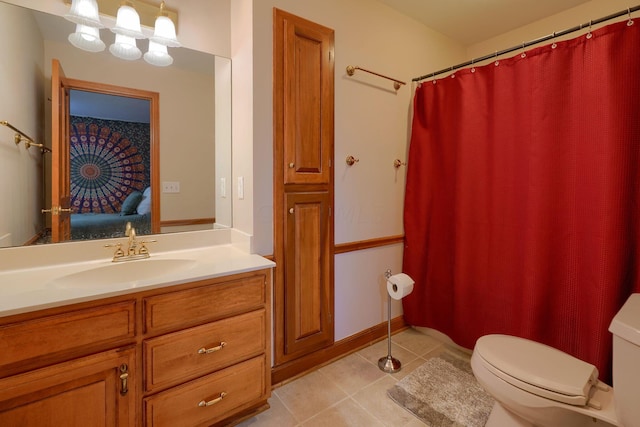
(292, 165)
(291, 210)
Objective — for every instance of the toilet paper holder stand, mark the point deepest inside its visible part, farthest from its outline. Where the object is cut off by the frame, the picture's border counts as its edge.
(389, 363)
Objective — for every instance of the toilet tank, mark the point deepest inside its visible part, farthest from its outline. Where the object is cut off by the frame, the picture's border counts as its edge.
(625, 328)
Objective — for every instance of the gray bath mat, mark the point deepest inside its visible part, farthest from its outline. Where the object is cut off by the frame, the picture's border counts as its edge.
(444, 393)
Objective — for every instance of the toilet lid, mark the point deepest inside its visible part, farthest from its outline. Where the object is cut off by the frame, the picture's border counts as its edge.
(538, 368)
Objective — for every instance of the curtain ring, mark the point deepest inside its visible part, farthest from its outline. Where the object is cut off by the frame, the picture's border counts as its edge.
(630, 21)
(554, 44)
(473, 69)
(523, 54)
(497, 62)
(589, 35)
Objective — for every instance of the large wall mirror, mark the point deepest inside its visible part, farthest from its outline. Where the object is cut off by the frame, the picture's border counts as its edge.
(193, 163)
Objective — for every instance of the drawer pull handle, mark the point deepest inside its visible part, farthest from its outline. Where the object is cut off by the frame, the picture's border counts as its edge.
(204, 403)
(212, 349)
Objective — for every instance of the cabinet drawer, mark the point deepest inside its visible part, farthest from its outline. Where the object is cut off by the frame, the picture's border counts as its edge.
(50, 339)
(181, 356)
(243, 385)
(190, 307)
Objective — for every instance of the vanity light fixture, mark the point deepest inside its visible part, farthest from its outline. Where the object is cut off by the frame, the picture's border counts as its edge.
(84, 12)
(164, 34)
(127, 29)
(158, 55)
(125, 47)
(87, 38)
(164, 31)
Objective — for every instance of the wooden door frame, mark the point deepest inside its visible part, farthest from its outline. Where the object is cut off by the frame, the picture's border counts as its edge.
(154, 132)
(60, 183)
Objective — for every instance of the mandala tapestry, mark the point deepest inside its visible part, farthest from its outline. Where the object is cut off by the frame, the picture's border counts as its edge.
(108, 159)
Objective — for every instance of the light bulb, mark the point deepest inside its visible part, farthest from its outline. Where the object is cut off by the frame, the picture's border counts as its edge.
(158, 55)
(87, 38)
(125, 48)
(84, 12)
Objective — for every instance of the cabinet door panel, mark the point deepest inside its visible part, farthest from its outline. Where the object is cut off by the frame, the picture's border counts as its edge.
(82, 392)
(307, 285)
(308, 104)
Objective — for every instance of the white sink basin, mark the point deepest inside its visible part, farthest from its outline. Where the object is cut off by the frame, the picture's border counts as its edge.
(131, 273)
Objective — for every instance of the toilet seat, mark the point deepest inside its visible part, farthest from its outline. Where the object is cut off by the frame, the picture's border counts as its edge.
(538, 368)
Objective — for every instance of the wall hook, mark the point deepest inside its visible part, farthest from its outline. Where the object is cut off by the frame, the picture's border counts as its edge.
(397, 163)
(352, 160)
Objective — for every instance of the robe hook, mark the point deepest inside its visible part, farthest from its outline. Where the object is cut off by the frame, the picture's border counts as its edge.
(351, 160)
(397, 163)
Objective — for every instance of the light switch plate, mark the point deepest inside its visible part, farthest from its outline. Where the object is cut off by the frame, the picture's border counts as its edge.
(241, 188)
(170, 187)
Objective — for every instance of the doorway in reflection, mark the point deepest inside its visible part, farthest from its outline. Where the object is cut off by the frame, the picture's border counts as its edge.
(110, 165)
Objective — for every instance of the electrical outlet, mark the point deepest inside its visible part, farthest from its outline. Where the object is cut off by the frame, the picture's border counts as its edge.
(170, 187)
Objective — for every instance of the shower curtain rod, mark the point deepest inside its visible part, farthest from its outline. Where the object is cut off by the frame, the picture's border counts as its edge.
(532, 42)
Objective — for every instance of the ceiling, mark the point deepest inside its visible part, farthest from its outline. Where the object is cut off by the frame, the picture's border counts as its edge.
(474, 21)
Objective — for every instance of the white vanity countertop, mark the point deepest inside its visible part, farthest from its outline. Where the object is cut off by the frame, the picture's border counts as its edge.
(29, 289)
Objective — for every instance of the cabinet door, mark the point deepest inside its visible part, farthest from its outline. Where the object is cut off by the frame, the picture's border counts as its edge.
(308, 291)
(306, 105)
(79, 393)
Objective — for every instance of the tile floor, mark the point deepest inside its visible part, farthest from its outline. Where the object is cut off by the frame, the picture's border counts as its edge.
(351, 391)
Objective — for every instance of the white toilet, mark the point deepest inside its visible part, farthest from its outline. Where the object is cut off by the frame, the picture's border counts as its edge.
(537, 385)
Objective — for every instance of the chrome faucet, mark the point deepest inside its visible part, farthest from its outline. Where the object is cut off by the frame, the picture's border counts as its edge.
(135, 249)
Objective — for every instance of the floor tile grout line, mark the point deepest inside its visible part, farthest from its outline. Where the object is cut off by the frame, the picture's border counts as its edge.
(351, 396)
(287, 408)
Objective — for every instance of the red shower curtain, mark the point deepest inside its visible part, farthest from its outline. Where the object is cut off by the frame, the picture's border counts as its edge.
(522, 201)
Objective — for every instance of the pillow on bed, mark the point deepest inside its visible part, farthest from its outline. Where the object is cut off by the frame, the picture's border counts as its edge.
(145, 205)
(131, 203)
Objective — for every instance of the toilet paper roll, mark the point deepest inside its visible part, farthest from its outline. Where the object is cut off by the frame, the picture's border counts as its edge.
(399, 285)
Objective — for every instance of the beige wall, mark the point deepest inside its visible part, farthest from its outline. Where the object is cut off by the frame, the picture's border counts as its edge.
(570, 18)
(21, 83)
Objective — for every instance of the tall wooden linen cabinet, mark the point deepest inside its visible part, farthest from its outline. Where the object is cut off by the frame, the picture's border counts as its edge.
(303, 189)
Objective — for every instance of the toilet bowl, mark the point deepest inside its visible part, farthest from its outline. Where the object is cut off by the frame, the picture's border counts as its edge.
(537, 385)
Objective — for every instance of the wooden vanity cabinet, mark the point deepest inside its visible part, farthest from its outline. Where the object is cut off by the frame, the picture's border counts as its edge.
(206, 352)
(69, 367)
(195, 354)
